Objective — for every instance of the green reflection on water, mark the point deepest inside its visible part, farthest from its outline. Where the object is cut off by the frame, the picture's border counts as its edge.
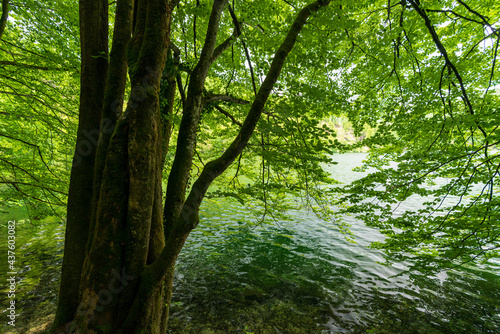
(302, 278)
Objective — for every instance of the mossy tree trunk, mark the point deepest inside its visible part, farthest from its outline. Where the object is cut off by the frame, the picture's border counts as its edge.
(122, 241)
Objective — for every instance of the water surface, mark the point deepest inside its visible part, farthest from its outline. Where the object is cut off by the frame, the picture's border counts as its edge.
(301, 276)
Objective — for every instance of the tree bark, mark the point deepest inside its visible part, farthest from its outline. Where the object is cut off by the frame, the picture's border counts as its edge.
(94, 50)
(114, 94)
(127, 220)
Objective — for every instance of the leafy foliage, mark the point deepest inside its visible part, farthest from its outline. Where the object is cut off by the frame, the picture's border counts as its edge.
(39, 95)
(427, 84)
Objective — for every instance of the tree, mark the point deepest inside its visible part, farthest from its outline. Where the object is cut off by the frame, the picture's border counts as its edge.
(420, 74)
(120, 255)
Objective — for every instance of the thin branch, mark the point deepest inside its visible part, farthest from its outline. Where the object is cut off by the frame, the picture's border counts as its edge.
(447, 162)
(226, 98)
(36, 99)
(290, 4)
(178, 79)
(20, 168)
(235, 177)
(482, 17)
(228, 115)
(247, 54)
(36, 67)
(33, 185)
(194, 29)
(35, 146)
(18, 189)
(477, 44)
(448, 62)
(493, 66)
(454, 13)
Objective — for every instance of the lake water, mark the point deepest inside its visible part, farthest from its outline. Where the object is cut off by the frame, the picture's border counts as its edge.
(301, 276)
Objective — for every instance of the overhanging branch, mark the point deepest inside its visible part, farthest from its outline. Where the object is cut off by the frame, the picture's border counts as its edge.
(416, 5)
(35, 67)
(216, 167)
(228, 115)
(186, 139)
(247, 54)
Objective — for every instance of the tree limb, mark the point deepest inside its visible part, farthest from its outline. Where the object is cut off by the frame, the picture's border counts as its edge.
(34, 185)
(228, 115)
(483, 18)
(216, 167)
(454, 13)
(444, 53)
(227, 98)
(19, 190)
(36, 67)
(14, 166)
(37, 148)
(5, 15)
(247, 54)
(226, 44)
(186, 139)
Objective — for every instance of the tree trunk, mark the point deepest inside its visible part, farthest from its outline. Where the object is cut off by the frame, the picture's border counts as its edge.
(94, 46)
(124, 248)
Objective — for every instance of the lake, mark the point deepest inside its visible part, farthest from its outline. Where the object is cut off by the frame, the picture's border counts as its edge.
(301, 276)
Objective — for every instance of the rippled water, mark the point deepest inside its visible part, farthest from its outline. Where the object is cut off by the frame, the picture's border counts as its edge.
(305, 277)
(298, 277)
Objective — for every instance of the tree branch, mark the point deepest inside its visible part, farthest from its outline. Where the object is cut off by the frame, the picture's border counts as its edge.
(18, 189)
(228, 115)
(454, 13)
(226, 98)
(483, 18)
(216, 167)
(36, 67)
(34, 185)
(20, 168)
(247, 54)
(186, 139)
(194, 29)
(226, 44)
(5, 15)
(37, 148)
(444, 53)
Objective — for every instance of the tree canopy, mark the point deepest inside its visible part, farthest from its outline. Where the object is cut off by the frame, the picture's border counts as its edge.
(39, 70)
(246, 92)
